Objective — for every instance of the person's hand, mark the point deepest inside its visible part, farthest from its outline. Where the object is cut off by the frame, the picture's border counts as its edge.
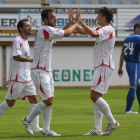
(7, 82)
(120, 72)
(71, 15)
(78, 16)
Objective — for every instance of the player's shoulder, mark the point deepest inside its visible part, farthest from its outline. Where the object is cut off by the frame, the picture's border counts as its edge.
(48, 28)
(18, 39)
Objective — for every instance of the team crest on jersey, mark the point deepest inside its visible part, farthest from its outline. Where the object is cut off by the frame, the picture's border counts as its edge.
(26, 55)
(96, 43)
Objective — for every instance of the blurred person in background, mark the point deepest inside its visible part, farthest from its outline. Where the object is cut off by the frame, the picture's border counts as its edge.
(20, 84)
(131, 54)
(103, 68)
(41, 67)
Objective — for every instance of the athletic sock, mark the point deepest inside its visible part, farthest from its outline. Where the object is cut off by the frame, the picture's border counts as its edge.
(36, 111)
(3, 107)
(98, 116)
(138, 95)
(47, 113)
(104, 108)
(130, 99)
(36, 119)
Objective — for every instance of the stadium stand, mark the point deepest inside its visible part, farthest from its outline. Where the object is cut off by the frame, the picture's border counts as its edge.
(54, 2)
(116, 2)
(103, 2)
(85, 2)
(69, 2)
(3, 2)
(132, 2)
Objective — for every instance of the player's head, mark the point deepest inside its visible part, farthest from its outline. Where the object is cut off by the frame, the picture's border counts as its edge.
(48, 17)
(104, 14)
(24, 27)
(137, 28)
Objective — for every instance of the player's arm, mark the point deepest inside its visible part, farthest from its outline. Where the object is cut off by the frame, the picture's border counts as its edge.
(70, 30)
(71, 18)
(120, 70)
(80, 30)
(22, 59)
(88, 30)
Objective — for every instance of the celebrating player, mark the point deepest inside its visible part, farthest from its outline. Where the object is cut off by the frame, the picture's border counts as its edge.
(41, 67)
(20, 84)
(103, 68)
(131, 54)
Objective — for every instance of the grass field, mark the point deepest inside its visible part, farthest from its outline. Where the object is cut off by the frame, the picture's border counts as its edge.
(72, 117)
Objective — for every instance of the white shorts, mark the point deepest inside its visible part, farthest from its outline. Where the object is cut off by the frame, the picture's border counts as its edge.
(18, 90)
(101, 79)
(44, 83)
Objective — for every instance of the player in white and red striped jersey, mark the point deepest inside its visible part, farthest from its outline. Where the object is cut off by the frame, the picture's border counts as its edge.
(20, 84)
(103, 68)
(41, 66)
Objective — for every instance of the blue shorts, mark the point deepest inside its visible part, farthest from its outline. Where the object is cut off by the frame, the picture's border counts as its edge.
(133, 71)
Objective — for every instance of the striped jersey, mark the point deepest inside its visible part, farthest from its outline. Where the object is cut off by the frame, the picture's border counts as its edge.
(43, 45)
(103, 48)
(19, 71)
(131, 48)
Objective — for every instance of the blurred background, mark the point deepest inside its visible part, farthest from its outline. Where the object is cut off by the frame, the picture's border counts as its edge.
(72, 60)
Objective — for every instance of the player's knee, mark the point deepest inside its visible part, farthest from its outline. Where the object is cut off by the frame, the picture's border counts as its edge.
(33, 99)
(48, 102)
(10, 102)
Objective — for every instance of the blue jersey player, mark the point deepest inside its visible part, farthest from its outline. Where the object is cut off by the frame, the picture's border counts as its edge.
(131, 54)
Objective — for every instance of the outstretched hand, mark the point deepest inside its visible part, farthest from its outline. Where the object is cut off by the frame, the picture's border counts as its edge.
(78, 16)
(71, 15)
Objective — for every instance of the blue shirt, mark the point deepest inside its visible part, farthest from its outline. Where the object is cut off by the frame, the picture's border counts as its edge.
(131, 48)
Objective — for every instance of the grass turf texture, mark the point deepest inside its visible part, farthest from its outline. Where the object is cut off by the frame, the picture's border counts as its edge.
(72, 117)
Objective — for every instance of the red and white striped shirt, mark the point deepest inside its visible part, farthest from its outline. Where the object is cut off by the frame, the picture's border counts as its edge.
(19, 71)
(103, 47)
(43, 47)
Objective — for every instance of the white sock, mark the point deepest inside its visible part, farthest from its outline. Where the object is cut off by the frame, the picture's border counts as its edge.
(98, 116)
(36, 119)
(105, 109)
(3, 107)
(47, 113)
(36, 111)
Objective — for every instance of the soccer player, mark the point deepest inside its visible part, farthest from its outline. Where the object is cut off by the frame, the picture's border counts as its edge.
(20, 84)
(103, 68)
(131, 54)
(41, 67)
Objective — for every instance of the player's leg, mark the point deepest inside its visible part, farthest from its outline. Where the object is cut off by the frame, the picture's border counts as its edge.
(11, 97)
(5, 105)
(101, 84)
(138, 95)
(98, 115)
(30, 92)
(130, 99)
(131, 69)
(42, 82)
(33, 103)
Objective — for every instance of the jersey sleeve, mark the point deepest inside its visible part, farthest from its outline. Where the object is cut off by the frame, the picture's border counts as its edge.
(16, 47)
(53, 34)
(105, 33)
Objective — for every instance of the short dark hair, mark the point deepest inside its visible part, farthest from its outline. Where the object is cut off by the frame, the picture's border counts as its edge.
(137, 25)
(45, 11)
(107, 12)
(21, 23)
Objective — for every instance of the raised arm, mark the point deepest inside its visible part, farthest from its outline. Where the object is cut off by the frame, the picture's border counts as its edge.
(71, 18)
(88, 30)
(70, 30)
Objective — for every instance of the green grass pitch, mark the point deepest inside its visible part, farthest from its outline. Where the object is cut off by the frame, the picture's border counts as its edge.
(72, 116)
